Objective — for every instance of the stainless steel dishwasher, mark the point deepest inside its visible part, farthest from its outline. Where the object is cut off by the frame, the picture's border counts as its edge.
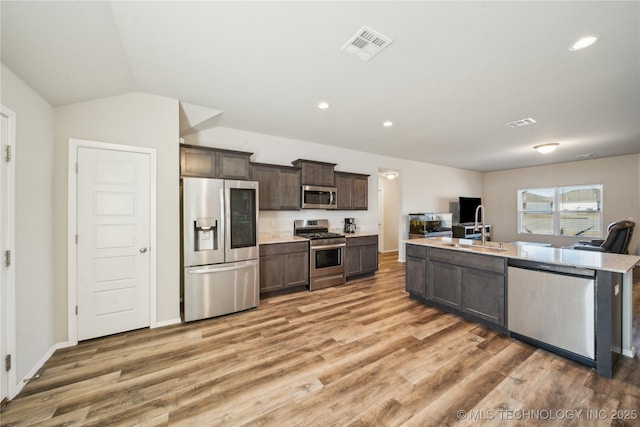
(553, 307)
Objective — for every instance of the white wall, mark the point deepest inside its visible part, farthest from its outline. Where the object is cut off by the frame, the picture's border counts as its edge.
(618, 175)
(136, 119)
(424, 187)
(35, 318)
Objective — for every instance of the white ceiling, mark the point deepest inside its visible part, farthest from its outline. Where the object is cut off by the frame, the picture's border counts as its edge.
(455, 73)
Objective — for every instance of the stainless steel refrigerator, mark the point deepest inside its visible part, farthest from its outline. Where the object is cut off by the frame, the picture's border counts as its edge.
(219, 246)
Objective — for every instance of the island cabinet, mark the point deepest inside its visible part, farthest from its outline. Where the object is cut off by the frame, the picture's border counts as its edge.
(206, 162)
(353, 190)
(416, 271)
(315, 173)
(361, 256)
(279, 186)
(472, 285)
(284, 266)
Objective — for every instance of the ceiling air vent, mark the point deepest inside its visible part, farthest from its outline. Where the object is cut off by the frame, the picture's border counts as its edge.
(521, 122)
(366, 44)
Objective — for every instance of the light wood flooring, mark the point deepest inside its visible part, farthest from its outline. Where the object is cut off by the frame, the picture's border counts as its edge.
(360, 354)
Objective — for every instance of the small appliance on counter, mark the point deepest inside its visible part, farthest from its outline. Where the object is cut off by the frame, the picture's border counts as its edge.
(350, 225)
(430, 224)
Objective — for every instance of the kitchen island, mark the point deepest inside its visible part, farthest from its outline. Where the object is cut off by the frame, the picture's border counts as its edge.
(504, 286)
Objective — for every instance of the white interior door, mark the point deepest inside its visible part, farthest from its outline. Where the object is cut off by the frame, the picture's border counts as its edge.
(4, 377)
(113, 223)
(7, 269)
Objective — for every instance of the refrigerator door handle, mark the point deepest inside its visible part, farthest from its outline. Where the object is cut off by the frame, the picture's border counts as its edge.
(218, 269)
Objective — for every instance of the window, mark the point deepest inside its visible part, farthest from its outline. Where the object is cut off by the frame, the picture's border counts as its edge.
(561, 211)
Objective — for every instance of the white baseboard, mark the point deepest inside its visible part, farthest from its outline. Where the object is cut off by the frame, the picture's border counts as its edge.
(168, 322)
(631, 353)
(34, 370)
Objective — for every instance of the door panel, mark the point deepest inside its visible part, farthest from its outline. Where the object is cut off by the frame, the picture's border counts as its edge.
(5, 322)
(241, 217)
(113, 239)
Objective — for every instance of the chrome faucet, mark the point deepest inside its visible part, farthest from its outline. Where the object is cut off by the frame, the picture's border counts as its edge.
(483, 233)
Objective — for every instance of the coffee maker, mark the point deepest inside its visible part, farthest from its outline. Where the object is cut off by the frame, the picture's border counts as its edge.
(349, 225)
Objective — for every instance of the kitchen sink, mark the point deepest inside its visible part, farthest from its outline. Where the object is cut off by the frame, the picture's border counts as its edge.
(478, 248)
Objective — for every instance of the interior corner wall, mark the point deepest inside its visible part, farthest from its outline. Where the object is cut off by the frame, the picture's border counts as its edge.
(618, 175)
(34, 249)
(136, 119)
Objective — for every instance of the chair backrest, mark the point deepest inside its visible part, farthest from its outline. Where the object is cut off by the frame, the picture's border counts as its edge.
(619, 237)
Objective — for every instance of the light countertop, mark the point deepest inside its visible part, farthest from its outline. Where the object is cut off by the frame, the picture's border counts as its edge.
(359, 234)
(267, 239)
(568, 257)
(284, 237)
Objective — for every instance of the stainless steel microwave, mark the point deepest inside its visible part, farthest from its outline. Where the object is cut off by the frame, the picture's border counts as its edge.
(315, 197)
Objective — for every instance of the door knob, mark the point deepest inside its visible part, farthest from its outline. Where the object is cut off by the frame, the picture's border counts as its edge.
(143, 250)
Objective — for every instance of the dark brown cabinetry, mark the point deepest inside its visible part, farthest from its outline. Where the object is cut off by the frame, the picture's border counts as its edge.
(446, 283)
(361, 256)
(472, 285)
(208, 162)
(279, 186)
(315, 173)
(416, 271)
(284, 265)
(353, 190)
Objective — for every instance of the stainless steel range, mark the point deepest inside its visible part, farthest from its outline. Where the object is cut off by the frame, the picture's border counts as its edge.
(326, 256)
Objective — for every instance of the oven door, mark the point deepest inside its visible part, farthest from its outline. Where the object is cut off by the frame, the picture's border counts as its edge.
(327, 260)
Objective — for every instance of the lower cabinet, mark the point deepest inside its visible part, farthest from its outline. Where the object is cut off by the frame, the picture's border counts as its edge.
(472, 285)
(446, 284)
(284, 265)
(361, 255)
(483, 295)
(416, 271)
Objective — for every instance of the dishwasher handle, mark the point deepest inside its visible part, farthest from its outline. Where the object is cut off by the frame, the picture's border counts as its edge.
(553, 268)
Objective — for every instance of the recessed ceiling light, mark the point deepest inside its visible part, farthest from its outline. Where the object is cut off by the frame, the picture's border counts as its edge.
(546, 148)
(582, 43)
(323, 105)
(387, 124)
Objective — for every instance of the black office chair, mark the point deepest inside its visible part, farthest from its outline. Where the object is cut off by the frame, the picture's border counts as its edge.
(617, 241)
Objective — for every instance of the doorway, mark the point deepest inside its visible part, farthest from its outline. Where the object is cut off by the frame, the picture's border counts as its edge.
(7, 249)
(112, 261)
(389, 209)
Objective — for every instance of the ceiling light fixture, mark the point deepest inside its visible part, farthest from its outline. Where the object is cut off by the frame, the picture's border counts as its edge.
(546, 148)
(387, 124)
(323, 105)
(582, 43)
(391, 175)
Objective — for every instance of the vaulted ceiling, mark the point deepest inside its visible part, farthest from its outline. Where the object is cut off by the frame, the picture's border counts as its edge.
(451, 78)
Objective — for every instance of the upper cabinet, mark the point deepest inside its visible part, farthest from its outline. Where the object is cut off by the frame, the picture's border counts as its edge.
(279, 186)
(353, 190)
(208, 162)
(315, 173)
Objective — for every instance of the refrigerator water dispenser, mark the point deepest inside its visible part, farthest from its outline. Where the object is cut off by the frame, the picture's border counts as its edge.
(206, 230)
